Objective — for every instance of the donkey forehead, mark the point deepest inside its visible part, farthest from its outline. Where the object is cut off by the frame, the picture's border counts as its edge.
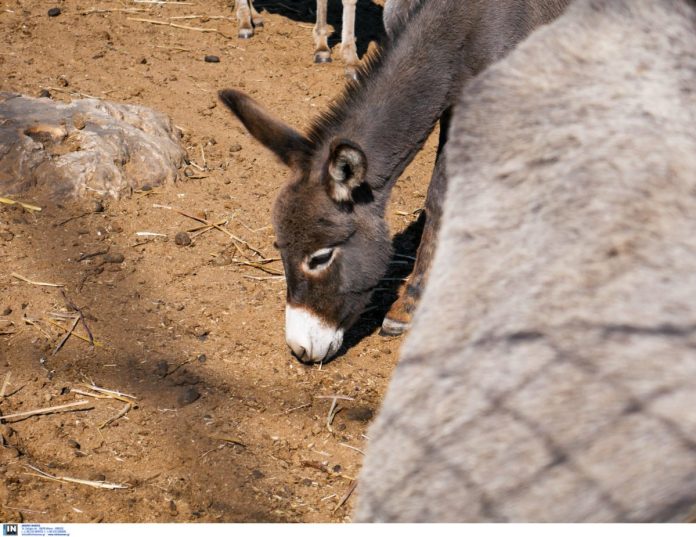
(305, 218)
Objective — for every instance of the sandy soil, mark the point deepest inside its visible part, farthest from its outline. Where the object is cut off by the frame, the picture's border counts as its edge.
(227, 426)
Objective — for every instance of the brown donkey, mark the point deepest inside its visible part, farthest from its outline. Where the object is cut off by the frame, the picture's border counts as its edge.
(329, 219)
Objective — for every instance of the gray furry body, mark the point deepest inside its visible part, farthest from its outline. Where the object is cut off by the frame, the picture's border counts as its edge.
(550, 373)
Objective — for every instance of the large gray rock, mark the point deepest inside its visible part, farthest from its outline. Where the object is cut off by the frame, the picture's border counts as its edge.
(87, 145)
(550, 374)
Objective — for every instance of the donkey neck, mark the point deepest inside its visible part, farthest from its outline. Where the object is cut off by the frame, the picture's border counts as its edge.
(401, 94)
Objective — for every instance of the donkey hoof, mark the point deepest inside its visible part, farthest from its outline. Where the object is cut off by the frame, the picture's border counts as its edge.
(352, 74)
(245, 33)
(322, 57)
(391, 327)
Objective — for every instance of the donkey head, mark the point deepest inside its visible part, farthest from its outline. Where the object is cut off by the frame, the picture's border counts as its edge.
(329, 229)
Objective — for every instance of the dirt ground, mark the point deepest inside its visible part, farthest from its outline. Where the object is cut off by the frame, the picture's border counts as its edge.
(227, 426)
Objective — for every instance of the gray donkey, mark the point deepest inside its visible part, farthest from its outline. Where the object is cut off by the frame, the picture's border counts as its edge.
(329, 219)
(550, 372)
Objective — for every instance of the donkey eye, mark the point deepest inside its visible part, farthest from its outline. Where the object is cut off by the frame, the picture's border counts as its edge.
(320, 258)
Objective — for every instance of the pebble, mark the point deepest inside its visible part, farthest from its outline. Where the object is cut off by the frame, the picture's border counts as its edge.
(7, 311)
(73, 443)
(210, 58)
(188, 396)
(79, 121)
(359, 413)
(161, 368)
(200, 331)
(6, 235)
(234, 148)
(182, 238)
(222, 260)
(54, 12)
(257, 474)
(202, 358)
(98, 206)
(44, 93)
(114, 258)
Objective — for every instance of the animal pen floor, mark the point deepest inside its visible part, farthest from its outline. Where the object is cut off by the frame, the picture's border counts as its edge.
(227, 426)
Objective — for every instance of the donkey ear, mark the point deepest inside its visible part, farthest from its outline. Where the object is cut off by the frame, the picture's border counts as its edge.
(347, 169)
(283, 140)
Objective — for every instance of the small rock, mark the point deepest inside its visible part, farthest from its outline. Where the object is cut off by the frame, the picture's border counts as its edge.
(44, 94)
(6, 235)
(202, 358)
(161, 368)
(73, 443)
(306, 482)
(200, 331)
(142, 61)
(63, 81)
(54, 12)
(7, 311)
(188, 172)
(172, 507)
(98, 206)
(257, 474)
(114, 258)
(337, 469)
(79, 121)
(211, 58)
(13, 452)
(235, 148)
(187, 396)
(182, 238)
(99, 477)
(222, 260)
(360, 413)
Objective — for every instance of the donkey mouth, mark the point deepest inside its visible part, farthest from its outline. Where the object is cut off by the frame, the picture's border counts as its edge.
(311, 339)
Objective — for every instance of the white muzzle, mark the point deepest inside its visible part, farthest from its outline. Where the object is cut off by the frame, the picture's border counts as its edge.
(309, 337)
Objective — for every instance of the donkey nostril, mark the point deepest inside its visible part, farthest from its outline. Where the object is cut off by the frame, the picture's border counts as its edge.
(298, 351)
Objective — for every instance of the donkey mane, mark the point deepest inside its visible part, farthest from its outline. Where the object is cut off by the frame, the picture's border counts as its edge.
(355, 90)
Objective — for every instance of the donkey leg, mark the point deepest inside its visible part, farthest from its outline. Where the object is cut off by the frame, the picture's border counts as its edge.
(245, 28)
(322, 52)
(399, 316)
(349, 51)
(256, 18)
